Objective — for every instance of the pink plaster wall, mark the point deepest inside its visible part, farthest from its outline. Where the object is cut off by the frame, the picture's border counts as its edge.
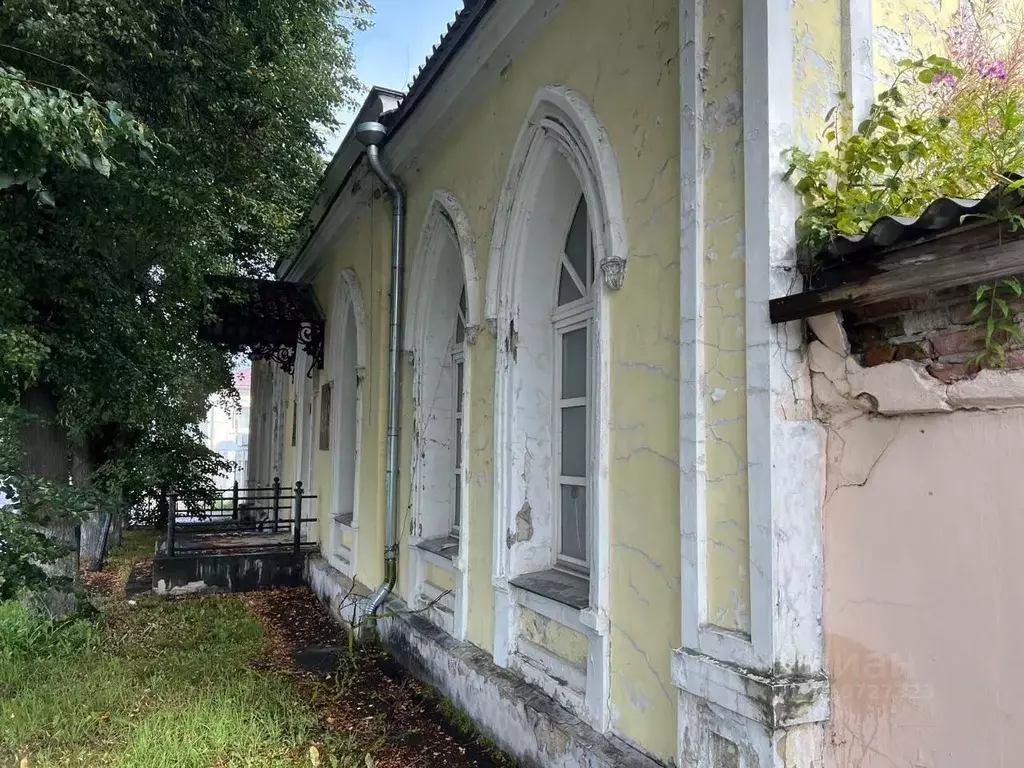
(924, 602)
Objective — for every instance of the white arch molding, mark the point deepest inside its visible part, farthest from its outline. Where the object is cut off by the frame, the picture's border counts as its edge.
(443, 262)
(346, 366)
(445, 217)
(562, 150)
(561, 115)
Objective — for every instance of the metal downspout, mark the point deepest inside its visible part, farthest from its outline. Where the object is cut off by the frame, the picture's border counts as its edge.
(372, 134)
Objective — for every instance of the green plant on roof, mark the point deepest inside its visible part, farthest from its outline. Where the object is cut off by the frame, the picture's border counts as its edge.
(948, 126)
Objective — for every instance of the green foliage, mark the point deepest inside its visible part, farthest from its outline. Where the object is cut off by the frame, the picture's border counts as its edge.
(994, 319)
(166, 140)
(161, 684)
(901, 159)
(26, 639)
(41, 127)
(947, 127)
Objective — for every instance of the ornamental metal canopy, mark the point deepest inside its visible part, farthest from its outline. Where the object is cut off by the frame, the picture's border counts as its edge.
(269, 319)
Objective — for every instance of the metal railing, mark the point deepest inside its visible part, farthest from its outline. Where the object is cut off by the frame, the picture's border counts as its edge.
(240, 512)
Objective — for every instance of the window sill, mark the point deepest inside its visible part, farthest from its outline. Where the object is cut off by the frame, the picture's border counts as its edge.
(565, 588)
(345, 519)
(443, 546)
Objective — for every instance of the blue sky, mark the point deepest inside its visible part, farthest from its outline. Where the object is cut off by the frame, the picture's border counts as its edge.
(390, 52)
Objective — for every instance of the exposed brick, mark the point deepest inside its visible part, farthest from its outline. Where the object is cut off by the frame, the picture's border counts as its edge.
(913, 350)
(892, 327)
(963, 357)
(960, 314)
(926, 320)
(955, 342)
(948, 372)
(866, 333)
(876, 355)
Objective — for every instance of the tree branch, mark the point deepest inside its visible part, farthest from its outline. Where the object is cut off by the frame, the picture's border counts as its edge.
(56, 63)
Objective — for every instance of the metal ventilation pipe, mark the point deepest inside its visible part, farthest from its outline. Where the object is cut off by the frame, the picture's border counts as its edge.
(371, 135)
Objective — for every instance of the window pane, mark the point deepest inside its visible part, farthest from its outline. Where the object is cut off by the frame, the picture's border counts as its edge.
(576, 242)
(567, 290)
(459, 384)
(458, 443)
(457, 512)
(574, 441)
(574, 363)
(574, 521)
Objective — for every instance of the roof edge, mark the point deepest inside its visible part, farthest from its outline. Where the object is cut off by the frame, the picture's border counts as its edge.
(391, 107)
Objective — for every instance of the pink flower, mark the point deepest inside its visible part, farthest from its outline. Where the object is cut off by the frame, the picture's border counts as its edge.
(992, 69)
(944, 78)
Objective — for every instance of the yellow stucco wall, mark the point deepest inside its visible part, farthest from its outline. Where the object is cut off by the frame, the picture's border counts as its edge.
(818, 67)
(908, 29)
(728, 519)
(623, 60)
(557, 638)
(638, 105)
(363, 249)
(442, 578)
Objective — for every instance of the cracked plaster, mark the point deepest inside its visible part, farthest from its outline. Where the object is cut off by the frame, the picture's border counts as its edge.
(724, 381)
(920, 525)
(636, 104)
(903, 387)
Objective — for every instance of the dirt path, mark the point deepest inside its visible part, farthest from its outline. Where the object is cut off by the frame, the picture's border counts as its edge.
(367, 694)
(362, 695)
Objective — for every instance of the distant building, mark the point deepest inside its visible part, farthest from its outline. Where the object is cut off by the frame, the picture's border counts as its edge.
(226, 431)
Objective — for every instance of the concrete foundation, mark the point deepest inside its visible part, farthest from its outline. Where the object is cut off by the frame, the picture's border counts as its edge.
(518, 717)
(237, 572)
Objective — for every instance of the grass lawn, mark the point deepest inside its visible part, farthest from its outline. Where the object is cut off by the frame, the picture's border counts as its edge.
(155, 683)
(213, 682)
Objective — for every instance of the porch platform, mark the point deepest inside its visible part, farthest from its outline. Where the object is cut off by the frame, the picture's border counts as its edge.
(240, 539)
(256, 563)
(193, 540)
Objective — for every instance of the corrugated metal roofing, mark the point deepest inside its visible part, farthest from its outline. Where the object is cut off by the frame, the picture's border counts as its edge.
(458, 30)
(942, 215)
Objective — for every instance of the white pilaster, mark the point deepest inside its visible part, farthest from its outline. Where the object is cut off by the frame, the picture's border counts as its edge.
(739, 695)
(858, 54)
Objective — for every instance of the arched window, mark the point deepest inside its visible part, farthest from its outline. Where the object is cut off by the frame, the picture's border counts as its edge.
(572, 319)
(438, 381)
(345, 361)
(559, 247)
(442, 323)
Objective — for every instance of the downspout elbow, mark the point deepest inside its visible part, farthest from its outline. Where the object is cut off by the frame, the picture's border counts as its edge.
(394, 188)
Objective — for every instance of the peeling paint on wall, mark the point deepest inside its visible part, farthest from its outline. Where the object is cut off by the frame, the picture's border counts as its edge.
(728, 516)
(817, 66)
(442, 578)
(908, 29)
(921, 525)
(554, 637)
(637, 101)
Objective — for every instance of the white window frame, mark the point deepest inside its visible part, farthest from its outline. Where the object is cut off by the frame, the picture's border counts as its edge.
(573, 316)
(458, 359)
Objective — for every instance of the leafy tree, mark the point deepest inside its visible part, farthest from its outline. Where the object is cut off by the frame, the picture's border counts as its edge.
(145, 143)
